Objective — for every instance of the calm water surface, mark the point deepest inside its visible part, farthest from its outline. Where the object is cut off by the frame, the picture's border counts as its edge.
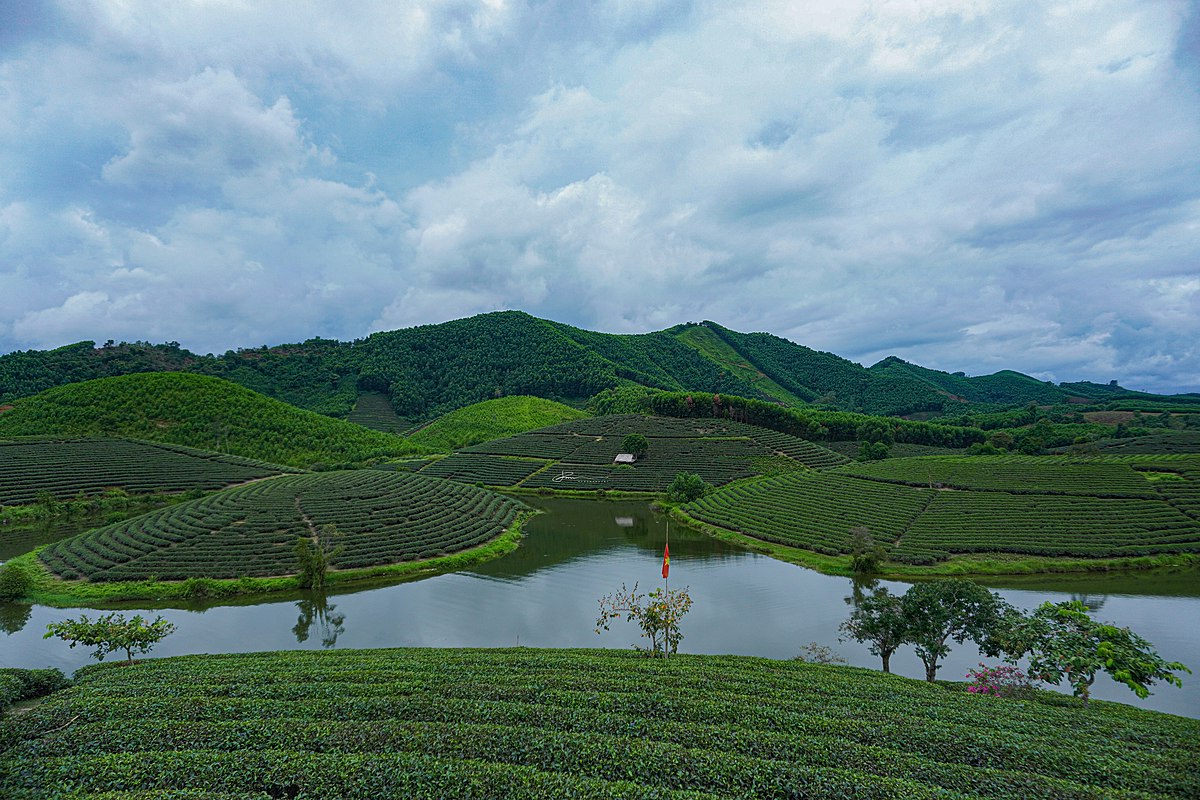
(545, 595)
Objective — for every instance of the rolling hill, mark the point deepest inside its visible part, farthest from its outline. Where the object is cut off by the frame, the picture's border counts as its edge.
(198, 411)
(429, 370)
(492, 419)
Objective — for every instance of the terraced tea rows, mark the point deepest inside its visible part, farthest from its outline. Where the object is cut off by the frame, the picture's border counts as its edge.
(1084, 527)
(812, 510)
(1077, 507)
(384, 517)
(67, 467)
(579, 454)
(587, 724)
(1009, 474)
(482, 468)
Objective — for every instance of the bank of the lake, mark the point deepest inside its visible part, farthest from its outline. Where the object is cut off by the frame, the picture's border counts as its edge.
(545, 592)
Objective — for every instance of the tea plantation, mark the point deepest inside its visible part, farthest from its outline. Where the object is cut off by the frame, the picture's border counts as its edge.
(924, 510)
(559, 723)
(67, 467)
(383, 518)
(579, 454)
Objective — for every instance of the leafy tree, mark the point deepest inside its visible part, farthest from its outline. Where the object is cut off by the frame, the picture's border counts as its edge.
(873, 451)
(15, 581)
(1064, 642)
(941, 610)
(314, 555)
(657, 614)
(111, 633)
(879, 620)
(686, 487)
(865, 553)
(635, 443)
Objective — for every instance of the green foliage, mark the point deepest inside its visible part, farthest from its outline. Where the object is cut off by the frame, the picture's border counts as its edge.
(386, 518)
(492, 419)
(876, 451)
(806, 423)
(15, 581)
(526, 723)
(315, 555)
(111, 633)
(941, 610)
(198, 411)
(658, 615)
(686, 487)
(22, 684)
(1063, 642)
(879, 620)
(865, 553)
(635, 443)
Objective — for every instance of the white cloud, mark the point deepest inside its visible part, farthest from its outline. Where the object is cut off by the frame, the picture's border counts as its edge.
(971, 186)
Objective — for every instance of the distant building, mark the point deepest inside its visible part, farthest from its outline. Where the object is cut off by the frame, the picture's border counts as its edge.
(625, 458)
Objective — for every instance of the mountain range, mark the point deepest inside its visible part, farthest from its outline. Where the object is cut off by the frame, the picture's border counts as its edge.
(432, 369)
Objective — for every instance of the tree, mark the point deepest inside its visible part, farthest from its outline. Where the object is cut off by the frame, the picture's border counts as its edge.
(111, 633)
(1064, 642)
(880, 622)
(635, 443)
(873, 451)
(941, 610)
(686, 487)
(15, 581)
(314, 555)
(865, 553)
(657, 614)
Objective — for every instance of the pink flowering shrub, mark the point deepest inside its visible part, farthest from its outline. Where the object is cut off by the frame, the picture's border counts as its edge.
(1001, 681)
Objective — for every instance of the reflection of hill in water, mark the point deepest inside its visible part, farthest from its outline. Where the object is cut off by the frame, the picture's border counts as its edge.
(571, 529)
(1090, 587)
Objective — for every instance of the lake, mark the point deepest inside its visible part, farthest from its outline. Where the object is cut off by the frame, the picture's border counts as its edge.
(545, 594)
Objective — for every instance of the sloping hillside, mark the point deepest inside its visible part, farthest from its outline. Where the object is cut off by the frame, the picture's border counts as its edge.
(198, 411)
(429, 370)
(493, 419)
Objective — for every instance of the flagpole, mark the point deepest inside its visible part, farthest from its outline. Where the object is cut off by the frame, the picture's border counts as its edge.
(667, 587)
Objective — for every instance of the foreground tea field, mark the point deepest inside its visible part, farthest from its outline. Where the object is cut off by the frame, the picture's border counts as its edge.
(924, 510)
(579, 454)
(67, 467)
(552, 723)
(382, 518)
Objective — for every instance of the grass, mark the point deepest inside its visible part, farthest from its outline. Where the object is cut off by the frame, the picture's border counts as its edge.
(492, 419)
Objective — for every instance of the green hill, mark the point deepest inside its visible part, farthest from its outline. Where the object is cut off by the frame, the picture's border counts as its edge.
(198, 411)
(528, 723)
(430, 370)
(492, 419)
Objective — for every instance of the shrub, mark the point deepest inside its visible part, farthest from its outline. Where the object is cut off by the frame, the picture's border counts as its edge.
(15, 581)
(1001, 681)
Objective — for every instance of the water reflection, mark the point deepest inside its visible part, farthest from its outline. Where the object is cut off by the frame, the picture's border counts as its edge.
(545, 594)
(14, 616)
(316, 611)
(1093, 602)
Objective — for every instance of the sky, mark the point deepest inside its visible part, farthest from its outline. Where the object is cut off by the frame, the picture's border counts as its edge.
(972, 186)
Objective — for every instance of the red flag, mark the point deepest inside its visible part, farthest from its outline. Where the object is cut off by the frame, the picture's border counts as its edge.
(666, 560)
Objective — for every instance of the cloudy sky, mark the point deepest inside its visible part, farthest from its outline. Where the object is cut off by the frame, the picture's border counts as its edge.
(971, 185)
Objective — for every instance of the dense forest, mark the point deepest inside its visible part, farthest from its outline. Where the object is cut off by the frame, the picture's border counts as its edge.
(429, 370)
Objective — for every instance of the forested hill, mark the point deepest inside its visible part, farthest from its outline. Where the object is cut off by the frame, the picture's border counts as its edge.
(432, 369)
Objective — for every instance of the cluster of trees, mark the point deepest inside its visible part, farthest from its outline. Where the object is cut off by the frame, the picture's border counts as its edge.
(1060, 640)
(807, 423)
(199, 411)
